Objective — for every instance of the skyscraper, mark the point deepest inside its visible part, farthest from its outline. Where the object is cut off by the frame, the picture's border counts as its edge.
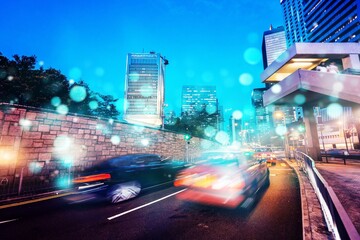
(194, 98)
(273, 44)
(294, 20)
(144, 88)
(332, 21)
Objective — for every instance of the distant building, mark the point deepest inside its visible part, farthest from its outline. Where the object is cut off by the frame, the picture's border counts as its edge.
(262, 115)
(195, 97)
(294, 20)
(144, 88)
(332, 21)
(273, 44)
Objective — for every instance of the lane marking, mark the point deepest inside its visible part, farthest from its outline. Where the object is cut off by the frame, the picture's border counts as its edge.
(145, 205)
(34, 200)
(7, 221)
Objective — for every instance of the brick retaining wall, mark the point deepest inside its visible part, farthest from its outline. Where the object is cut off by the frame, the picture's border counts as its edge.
(31, 135)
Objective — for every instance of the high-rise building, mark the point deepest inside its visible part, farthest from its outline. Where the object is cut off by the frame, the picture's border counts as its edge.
(195, 98)
(294, 20)
(332, 21)
(273, 44)
(144, 88)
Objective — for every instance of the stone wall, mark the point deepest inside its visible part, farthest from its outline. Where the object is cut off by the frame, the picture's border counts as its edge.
(31, 138)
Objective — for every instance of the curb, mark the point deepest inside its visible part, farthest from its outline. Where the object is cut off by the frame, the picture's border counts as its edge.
(314, 225)
(18, 201)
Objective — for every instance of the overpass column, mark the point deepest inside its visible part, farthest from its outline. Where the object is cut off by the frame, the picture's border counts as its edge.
(352, 61)
(312, 138)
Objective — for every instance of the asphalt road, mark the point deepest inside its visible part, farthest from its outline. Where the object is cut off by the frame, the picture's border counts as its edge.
(158, 214)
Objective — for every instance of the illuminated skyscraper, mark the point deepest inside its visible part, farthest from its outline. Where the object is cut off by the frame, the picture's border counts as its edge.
(274, 43)
(194, 98)
(294, 21)
(332, 21)
(144, 88)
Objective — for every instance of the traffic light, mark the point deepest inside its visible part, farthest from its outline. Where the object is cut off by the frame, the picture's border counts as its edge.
(187, 137)
(301, 128)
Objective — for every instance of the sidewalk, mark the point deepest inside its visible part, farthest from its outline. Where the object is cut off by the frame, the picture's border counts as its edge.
(314, 225)
(345, 181)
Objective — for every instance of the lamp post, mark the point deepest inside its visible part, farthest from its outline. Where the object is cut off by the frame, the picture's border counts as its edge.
(163, 116)
(281, 116)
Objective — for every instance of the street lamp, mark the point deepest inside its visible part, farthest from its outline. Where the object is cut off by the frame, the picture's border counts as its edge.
(281, 116)
(163, 116)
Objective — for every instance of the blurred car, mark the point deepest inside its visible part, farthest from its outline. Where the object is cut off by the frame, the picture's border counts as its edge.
(337, 151)
(223, 178)
(121, 178)
(279, 152)
(265, 153)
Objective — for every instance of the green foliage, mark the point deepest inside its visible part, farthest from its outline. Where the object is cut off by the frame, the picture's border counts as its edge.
(21, 83)
(195, 124)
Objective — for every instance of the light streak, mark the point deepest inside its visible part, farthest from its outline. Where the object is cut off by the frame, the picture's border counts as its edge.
(145, 205)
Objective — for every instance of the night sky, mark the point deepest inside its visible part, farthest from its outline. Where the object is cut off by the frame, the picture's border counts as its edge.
(206, 42)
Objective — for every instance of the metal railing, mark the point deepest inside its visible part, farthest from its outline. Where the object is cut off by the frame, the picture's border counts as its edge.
(49, 177)
(336, 218)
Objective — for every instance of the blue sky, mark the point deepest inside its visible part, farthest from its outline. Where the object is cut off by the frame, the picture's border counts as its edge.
(206, 42)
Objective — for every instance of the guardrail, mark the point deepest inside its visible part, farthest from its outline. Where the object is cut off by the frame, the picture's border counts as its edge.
(341, 156)
(337, 219)
(45, 177)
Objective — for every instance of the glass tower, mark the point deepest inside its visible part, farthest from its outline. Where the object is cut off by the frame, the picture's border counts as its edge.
(332, 21)
(294, 21)
(144, 88)
(194, 98)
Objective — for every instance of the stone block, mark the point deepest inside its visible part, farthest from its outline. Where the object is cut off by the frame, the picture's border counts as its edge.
(55, 128)
(48, 136)
(98, 148)
(101, 138)
(30, 115)
(38, 144)
(44, 128)
(5, 128)
(26, 143)
(32, 135)
(7, 140)
(65, 129)
(15, 130)
(73, 131)
(12, 118)
(45, 156)
(48, 122)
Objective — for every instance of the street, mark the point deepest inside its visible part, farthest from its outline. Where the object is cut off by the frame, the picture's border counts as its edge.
(158, 214)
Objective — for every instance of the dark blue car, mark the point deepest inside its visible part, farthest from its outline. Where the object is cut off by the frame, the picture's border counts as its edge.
(123, 177)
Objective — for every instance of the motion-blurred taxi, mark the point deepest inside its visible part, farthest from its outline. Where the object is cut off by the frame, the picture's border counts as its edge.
(223, 178)
(265, 153)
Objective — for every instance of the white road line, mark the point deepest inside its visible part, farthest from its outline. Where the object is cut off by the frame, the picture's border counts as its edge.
(6, 221)
(142, 206)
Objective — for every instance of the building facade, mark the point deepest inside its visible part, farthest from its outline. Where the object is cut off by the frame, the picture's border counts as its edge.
(294, 21)
(273, 44)
(332, 21)
(195, 98)
(144, 88)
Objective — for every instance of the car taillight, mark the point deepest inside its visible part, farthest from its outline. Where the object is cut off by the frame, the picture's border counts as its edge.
(183, 179)
(228, 182)
(92, 178)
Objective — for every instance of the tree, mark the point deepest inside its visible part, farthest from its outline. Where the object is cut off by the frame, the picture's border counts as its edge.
(21, 83)
(195, 124)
